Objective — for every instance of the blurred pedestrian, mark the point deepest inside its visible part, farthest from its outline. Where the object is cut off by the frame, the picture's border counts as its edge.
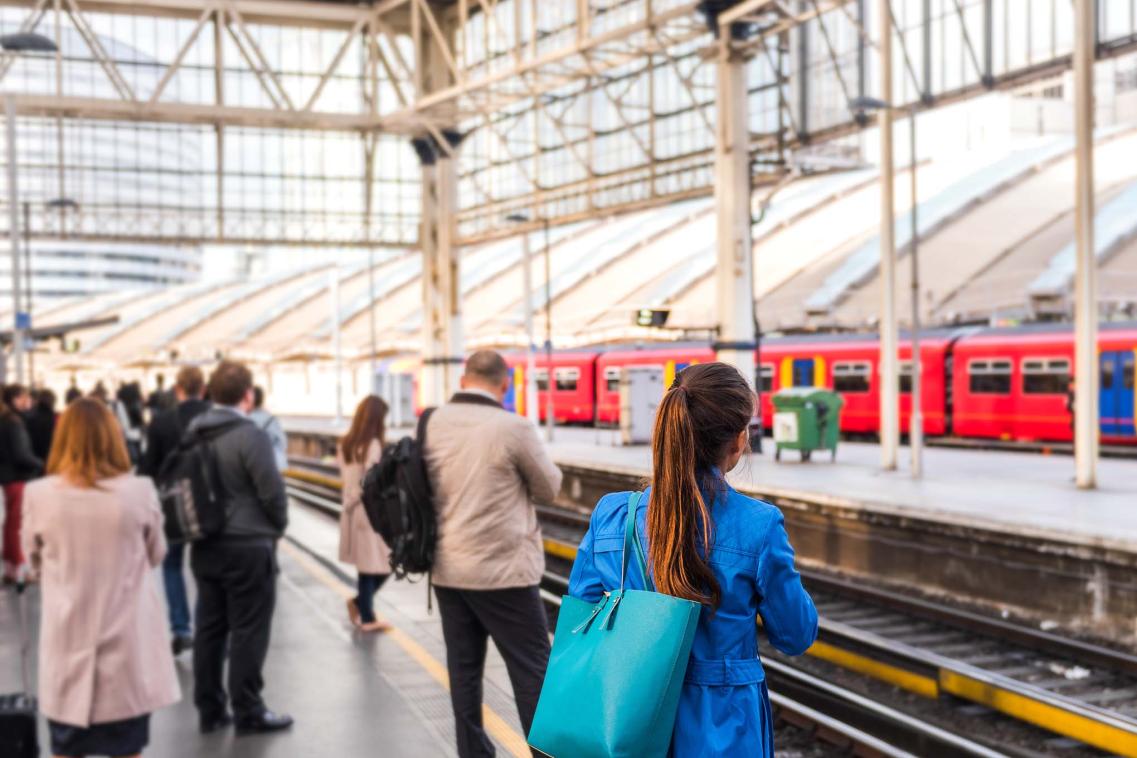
(100, 393)
(18, 465)
(94, 534)
(486, 468)
(160, 399)
(272, 427)
(708, 543)
(162, 438)
(41, 423)
(73, 393)
(236, 570)
(128, 409)
(358, 451)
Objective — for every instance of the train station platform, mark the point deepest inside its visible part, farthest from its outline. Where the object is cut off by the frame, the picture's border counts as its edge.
(351, 694)
(1024, 493)
(1001, 532)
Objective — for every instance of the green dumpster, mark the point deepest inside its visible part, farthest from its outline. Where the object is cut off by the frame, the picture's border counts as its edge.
(806, 419)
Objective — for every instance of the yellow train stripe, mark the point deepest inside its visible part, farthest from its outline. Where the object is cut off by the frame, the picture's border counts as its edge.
(819, 374)
(1112, 739)
(509, 738)
(885, 672)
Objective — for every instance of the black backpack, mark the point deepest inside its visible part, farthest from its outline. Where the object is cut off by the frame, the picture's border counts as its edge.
(398, 503)
(189, 486)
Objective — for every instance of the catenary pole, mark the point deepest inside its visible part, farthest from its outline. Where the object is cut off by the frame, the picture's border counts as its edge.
(889, 375)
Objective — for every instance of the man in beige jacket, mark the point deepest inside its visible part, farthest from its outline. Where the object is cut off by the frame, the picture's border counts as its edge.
(486, 468)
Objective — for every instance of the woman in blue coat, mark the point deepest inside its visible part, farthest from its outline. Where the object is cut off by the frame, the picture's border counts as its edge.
(709, 543)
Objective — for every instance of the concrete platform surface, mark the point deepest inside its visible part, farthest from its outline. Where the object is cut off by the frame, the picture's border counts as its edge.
(1023, 493)
(351, 694)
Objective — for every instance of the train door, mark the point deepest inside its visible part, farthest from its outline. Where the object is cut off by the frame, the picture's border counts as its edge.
(1116, 399)
(803, 372)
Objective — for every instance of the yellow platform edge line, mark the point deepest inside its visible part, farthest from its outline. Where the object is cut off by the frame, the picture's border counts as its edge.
(560, 549)
(313, 478)
(509, 738)
(1085, 729)
(885, 672)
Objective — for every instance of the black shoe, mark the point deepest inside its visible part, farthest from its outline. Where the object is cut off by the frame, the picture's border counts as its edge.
(214, 724)
(181, 643)
(265, 722)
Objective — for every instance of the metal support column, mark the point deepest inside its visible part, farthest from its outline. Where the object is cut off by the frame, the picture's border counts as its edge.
(1085, 277)
(916, 414)
(442, 327)
(734, 274)
(443, 342)
(889, 338)
(14, 235)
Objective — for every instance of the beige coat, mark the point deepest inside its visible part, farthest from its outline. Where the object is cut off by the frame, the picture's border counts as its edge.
(104, 652)
(487, 466)
(359, 544)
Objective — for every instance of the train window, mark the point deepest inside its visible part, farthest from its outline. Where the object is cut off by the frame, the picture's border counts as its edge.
(766, 378)
(851, 377)
(542, 377)
(567, 379)
(906, 377)
(1127, 371)
(612, 378)
(1046, 376)
(989, 377)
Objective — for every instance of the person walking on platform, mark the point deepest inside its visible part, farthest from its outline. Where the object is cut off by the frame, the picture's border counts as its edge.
(18, 465)
(358, 451)
(162, 438)
(94, 534)
(486, 467)
(235, 571)
(709, 543)
(40, 422)
(272, 427)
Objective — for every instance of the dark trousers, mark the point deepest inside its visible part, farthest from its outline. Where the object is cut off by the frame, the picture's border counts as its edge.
(366, 587)
(515, 620)
(177, 602)
(236, 594)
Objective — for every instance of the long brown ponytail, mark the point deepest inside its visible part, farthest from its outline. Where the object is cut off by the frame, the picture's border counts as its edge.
(706, 408)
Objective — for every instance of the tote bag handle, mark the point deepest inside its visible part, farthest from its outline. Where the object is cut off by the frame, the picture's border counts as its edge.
(632, 538)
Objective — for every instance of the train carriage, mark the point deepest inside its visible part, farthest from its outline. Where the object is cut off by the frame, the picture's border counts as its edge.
(1013, 384)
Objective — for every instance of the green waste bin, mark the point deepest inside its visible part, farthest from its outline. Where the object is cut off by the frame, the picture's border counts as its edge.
(806, 419)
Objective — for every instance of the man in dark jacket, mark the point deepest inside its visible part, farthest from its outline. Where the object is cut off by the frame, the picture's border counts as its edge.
(40, 422)
(162, 438)
(236, 570)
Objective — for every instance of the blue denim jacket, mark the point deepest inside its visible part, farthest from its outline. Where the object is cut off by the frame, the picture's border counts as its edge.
(724, 708)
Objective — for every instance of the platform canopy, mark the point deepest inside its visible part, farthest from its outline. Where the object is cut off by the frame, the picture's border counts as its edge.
(290, 122)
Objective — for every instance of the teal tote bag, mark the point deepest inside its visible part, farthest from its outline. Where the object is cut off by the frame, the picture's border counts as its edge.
(616, 669)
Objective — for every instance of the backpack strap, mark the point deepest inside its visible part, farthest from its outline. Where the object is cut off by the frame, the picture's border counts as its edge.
(420, 439)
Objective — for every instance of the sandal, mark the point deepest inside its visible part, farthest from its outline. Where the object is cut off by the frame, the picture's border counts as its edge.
(353, 612)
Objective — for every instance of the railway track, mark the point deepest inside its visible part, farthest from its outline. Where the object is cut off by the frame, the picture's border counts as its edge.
(1075, 689)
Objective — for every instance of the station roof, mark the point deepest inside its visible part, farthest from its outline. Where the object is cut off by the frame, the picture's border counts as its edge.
(991, 233)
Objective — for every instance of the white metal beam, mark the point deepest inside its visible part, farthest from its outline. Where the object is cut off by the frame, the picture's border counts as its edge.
(889, 329)
(1086, 412)
(734, 277)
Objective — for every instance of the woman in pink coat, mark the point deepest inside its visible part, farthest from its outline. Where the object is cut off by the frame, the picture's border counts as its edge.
(359, 450)
(94, 534)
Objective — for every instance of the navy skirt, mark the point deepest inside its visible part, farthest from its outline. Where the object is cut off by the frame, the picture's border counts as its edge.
(113, 738)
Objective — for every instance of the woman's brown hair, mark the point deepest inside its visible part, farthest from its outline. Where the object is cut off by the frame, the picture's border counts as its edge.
(88, 445)
(703, 412)
(368, 423)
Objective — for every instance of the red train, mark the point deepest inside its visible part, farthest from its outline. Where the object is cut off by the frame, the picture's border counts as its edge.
(997, 383)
